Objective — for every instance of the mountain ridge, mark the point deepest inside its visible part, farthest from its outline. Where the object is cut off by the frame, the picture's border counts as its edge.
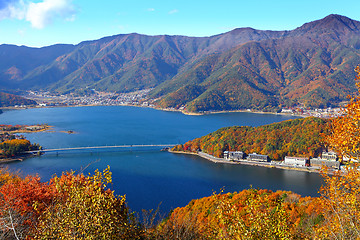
(311, 65)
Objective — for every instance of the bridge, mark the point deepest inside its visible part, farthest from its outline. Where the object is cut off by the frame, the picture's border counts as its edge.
(100, 147)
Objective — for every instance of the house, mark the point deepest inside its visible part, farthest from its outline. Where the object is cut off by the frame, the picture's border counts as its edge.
(258, 157)
(284, 110)
(318, 162)
(298, 161)
(330, 156)
(328, 159)
(234, 156)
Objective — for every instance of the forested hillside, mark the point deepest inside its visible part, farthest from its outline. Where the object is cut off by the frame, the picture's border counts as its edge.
(83, 206)
(310, 66)
(299, 137)
(8, 100)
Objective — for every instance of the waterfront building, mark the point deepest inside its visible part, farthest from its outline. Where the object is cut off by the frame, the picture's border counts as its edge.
(298, 161)
(258, 157)
(330, 156)
(318, 162)
(233, 155)
(284, 110)
(328, 159)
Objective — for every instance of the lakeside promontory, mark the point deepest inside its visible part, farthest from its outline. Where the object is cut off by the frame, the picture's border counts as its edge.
(13, 146)
(299, 137)
(293, 144)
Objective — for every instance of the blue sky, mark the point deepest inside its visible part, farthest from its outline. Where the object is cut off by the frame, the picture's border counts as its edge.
(45, 22)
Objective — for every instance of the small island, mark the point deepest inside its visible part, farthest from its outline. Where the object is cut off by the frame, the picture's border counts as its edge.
(13, 129)
(13, 147)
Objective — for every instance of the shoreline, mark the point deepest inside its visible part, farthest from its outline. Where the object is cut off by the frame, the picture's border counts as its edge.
(220, 112)
(37, 128)
(163, 109)
(15, 159)
(249, 163)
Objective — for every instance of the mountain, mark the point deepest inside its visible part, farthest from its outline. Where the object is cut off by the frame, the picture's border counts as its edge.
(312, 65)
(16, 62)
(119, 63)
(244, 68)
(9, 100)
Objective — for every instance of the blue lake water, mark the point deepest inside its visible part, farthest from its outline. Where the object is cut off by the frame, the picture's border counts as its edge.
(146, 175)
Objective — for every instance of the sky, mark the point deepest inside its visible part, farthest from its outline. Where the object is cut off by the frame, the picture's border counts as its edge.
(38, 23)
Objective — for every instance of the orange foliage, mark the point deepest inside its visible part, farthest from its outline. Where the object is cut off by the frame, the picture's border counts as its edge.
(299, 137)
(257, 214)
(345, 130)
(340, 205)
(15, 146)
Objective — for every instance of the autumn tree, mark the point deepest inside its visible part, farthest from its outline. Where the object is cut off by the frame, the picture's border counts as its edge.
(13, 147)
(18, 215)
(249, 214)
(340, 200)
(72, 206)
(298, 137)
(86, 209)
(340, 206)
(345, 129)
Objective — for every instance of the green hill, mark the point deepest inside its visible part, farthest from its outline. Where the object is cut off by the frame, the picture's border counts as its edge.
(299, 137)
(9, 100)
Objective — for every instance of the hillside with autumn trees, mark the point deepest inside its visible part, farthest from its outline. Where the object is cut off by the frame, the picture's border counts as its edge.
(13, 145)
(8, 100)
(309, 66)
(79, 206)
(299, 137)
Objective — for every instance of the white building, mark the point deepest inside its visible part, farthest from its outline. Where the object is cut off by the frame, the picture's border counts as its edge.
(258, 157)
(235, 156)
(330, 156)
(299, 161)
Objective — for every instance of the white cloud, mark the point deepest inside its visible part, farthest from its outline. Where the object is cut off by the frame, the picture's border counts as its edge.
(151, 9)
(12, 9)
(39, 14)
(173, 11)
(42, 13)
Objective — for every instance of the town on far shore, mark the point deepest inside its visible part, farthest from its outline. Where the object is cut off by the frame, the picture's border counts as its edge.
(139, 98)
(92, 97)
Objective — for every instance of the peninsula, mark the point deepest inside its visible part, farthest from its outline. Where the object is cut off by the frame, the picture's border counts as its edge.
(297, 140)
(13, 145)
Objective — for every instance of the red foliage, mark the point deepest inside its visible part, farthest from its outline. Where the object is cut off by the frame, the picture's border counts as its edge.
(28, 196)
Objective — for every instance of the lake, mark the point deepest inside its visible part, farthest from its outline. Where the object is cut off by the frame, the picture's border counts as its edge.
(148, 176)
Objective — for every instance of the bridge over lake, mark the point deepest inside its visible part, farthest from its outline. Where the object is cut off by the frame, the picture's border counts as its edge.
(101, 147)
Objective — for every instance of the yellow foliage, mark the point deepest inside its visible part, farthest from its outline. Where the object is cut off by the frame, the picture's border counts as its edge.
(345, 130)
(340, 206)
(250, 214)
(6, 176)
(86, 210)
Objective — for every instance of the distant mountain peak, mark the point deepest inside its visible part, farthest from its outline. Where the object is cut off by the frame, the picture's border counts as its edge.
(334, 19)
(332, 22)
